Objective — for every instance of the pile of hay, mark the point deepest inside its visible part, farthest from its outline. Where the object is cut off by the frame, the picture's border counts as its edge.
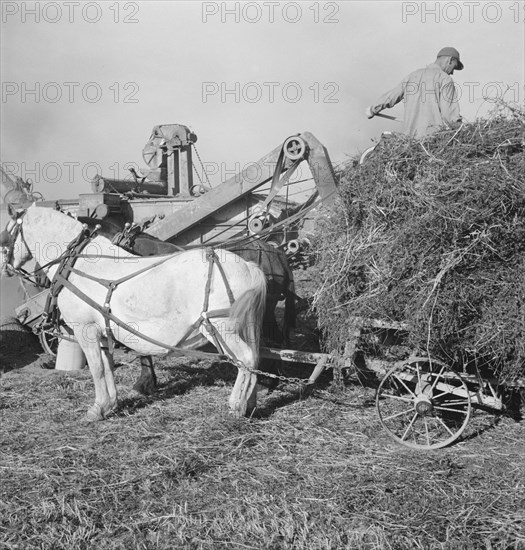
(432, 234)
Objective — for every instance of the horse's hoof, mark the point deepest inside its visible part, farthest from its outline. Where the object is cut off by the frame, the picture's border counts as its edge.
(94, 414)
(145, 389)
(239, 411)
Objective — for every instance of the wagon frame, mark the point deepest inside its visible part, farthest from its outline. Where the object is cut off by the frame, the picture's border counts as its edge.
(436, 401)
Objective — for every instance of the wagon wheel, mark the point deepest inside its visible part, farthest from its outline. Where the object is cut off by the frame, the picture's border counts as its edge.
(49, 340)
(422, 404)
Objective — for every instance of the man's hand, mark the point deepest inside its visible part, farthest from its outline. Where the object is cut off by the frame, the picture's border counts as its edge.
(370, 112)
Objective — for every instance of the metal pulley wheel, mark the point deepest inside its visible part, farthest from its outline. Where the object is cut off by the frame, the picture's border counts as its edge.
(258, 220)
(294, 148)
(293, 246)
(257, 223)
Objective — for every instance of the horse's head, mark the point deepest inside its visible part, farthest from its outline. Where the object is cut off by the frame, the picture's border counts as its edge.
(15, 252)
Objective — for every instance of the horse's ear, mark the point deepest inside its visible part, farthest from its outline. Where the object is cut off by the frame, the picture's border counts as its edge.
(15, 213)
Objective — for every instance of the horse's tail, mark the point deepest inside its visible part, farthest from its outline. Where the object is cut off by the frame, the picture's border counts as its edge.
(248, 310)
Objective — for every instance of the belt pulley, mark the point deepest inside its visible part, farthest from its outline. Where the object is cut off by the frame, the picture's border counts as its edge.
(294, 149)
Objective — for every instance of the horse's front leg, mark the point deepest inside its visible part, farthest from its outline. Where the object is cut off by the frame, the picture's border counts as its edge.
(101, 366)
(109, 370)
(147, 382)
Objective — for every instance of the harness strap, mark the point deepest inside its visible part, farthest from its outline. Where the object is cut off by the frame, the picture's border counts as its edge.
(107, 311)
(66, 267)
(107, 282)
(210, 256)
(67, 260)
(8, 239)
(177, 350)
(219, 342)
(213, 259)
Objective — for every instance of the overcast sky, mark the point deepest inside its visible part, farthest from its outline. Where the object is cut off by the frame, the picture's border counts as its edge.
(84, 83)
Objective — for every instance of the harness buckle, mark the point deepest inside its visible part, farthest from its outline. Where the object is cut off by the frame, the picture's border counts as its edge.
(210, 254)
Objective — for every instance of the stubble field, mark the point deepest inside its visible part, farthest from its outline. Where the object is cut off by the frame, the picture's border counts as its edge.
(176, 470)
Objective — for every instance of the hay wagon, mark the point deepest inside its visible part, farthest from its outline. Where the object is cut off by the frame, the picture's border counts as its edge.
(432, 237)
(421, 402)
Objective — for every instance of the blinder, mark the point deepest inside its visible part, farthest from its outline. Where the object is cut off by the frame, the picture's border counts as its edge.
(5, 238)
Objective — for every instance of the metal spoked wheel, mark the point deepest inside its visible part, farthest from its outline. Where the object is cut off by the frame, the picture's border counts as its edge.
(423, 405)
(49, 340)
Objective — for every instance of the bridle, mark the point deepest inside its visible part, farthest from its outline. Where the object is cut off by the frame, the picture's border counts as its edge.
(8, 240)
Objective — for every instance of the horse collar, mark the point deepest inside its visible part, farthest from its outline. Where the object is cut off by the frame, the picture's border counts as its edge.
(65, 265)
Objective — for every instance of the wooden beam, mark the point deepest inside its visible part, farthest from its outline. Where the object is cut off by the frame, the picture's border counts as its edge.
(250, 178)
(294, 356)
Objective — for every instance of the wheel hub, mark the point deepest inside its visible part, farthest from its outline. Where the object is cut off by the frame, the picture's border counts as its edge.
(423, 405)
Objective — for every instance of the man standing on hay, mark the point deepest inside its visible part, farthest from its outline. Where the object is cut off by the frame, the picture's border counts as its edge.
(429, 95)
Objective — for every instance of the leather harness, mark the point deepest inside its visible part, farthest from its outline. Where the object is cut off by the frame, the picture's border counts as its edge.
(61, 280)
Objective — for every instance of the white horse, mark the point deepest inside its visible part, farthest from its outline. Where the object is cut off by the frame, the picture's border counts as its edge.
(156, 303)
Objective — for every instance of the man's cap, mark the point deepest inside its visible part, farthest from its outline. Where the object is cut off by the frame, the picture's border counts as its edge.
(452, 52)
